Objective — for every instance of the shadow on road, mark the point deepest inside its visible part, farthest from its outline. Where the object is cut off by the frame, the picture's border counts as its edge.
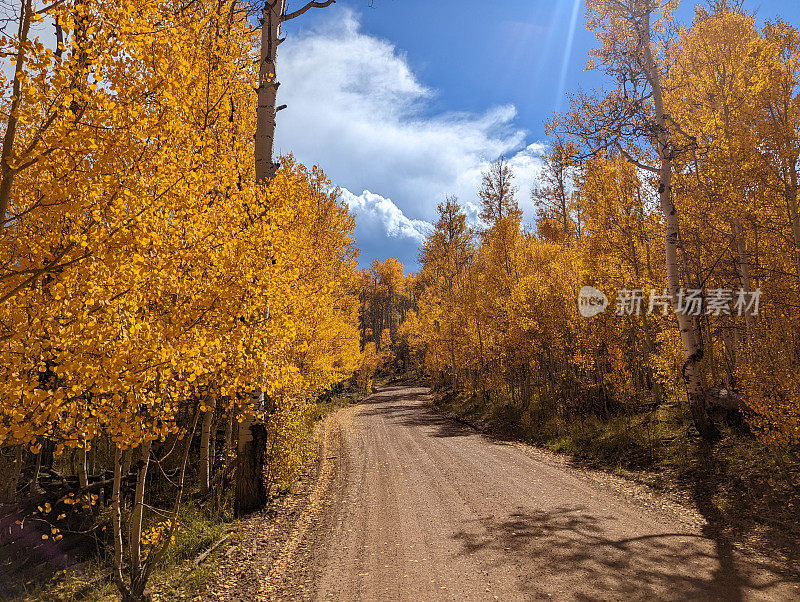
(571, 542)
(587, 551)
(403, 405)
(720, 527)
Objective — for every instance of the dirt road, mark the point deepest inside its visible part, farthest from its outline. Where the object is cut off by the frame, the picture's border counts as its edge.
(418, 507)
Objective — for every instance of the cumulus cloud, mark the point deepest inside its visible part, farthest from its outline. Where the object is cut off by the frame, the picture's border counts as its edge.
(356, 108)
(380, 215)
(383, 230)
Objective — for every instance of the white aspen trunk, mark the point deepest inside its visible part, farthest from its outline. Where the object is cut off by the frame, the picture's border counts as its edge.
(271, 15)
(34, 484)
(205, 449)
(229, 426)
(562, 195)
(157, 552)
(249, 482)
(137, 512)
(250, 491)
(744, 266)
(248, 479)
(92, 460)
(116, 522)
(690, 337)
(791, 198)
(212, 444)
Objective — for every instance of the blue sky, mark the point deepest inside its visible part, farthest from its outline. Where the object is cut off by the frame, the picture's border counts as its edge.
(406, 102)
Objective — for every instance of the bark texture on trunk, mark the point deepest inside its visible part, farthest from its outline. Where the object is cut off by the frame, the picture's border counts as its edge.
(690, 336)
(272, 16)
(744, 266)
(6, 172)
(83, 473)
(37, 467)
(790, 192)
(137, 512)
(116, 521)
(251, 492)
(250, 489)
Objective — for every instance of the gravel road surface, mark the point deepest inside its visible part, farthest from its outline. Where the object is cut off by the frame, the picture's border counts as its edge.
(419, 507)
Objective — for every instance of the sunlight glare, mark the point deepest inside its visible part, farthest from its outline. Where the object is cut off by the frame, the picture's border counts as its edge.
(562, 80)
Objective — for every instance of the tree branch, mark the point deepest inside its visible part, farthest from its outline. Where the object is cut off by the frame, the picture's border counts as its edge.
(306, 8)
(638, 164)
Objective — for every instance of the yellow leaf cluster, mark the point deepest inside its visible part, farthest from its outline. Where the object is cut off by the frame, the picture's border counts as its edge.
(142, 269)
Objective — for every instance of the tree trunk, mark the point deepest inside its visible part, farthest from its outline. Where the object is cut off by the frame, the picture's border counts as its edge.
(6, 172)
(9, 475)
(230, 425)
(453, 371)
(116, 521)
(206, 455)
(92, 460)
(690, 339)
(137, 512)
(213, 443)
(127, 460)
(271, 16)
(37, 467)
(744, 266)
(790, 192)
(83, 475)
(157, 552)
(251, 493)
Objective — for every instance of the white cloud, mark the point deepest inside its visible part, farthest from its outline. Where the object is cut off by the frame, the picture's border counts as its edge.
(526, 165)
(377, 213)
(356, 108)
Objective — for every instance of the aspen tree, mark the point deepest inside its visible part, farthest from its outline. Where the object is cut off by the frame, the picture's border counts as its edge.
(249, 494)
(633, 113)
(273, 15)
(140, 257)
(552, 195)
(445, 257)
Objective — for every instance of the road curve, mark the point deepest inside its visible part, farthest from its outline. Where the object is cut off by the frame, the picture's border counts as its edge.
(427, 509)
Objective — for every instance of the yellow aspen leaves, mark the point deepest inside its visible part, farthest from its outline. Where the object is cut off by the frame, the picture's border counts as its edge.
(142, 268)
(496, 313)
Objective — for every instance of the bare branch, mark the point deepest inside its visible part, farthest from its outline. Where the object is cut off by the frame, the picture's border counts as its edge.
(50, 7)
(638, 164)
(306, 8)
